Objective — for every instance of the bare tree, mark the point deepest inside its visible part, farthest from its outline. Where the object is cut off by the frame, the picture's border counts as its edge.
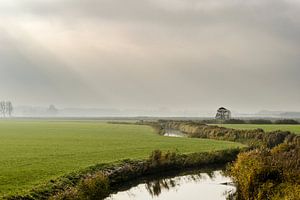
(2, 108)
(9, 108)
(6, 108)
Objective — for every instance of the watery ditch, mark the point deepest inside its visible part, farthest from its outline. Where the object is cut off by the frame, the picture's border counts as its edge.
(205, 184)
(174, 133)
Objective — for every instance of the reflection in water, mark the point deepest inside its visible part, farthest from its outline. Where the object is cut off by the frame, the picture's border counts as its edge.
(155, 187)
(195, 186)
(174, 133)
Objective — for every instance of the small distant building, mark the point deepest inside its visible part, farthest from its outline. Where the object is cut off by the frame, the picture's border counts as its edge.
(223, 114)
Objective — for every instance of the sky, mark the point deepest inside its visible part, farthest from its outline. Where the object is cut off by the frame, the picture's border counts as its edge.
(174, 54)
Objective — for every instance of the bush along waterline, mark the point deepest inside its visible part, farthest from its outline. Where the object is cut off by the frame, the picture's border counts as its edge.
(265, 173)
(252, 138)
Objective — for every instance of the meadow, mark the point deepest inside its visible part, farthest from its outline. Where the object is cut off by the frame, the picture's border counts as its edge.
(34, 152)
(265, 127)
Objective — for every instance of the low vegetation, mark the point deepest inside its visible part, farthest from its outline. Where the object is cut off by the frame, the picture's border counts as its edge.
(266, 127)
(286, 121)
(250, 121)
(253, 138)
(268, 173)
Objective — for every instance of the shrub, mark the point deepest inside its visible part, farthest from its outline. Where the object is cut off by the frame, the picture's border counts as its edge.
(209, 121)
(268, 174)
(69, 194)
(155, 158)
(286, 121)
(260, 121)
(235, 121)
(94, 187)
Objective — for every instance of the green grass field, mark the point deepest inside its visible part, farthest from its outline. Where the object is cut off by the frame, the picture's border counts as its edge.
(265, 127)
(33, 152)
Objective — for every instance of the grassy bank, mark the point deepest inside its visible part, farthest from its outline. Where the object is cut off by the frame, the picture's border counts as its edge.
(99, 181)
(35, 152)
(265, 127)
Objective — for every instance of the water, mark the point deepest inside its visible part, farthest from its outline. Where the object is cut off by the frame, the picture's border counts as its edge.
(174, 133)
(212, 186)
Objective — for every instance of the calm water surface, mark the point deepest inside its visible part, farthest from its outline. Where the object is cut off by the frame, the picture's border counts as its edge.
(212, 186)
(174, 133)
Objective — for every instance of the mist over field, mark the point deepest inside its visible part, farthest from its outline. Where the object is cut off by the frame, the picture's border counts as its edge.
(151, 54)
(149, 99)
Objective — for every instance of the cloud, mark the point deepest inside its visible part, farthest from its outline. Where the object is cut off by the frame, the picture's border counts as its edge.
(143, 53)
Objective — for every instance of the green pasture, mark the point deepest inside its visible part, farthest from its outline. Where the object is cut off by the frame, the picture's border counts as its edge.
(265, 127)
(33, 152)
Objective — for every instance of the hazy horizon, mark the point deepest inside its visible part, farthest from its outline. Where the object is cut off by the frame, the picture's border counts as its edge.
(107, 112)
(150, 54)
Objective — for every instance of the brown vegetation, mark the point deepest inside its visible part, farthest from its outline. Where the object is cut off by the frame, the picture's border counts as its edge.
(268, 174)
(253, 138)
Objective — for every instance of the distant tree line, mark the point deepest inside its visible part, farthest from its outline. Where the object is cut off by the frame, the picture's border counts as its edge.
(251, 121)
(6, 109)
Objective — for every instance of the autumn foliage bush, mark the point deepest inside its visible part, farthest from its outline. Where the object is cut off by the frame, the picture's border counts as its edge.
(93, 187)
(268, 173)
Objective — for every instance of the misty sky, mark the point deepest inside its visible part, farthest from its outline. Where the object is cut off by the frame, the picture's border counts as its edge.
(178, 54)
